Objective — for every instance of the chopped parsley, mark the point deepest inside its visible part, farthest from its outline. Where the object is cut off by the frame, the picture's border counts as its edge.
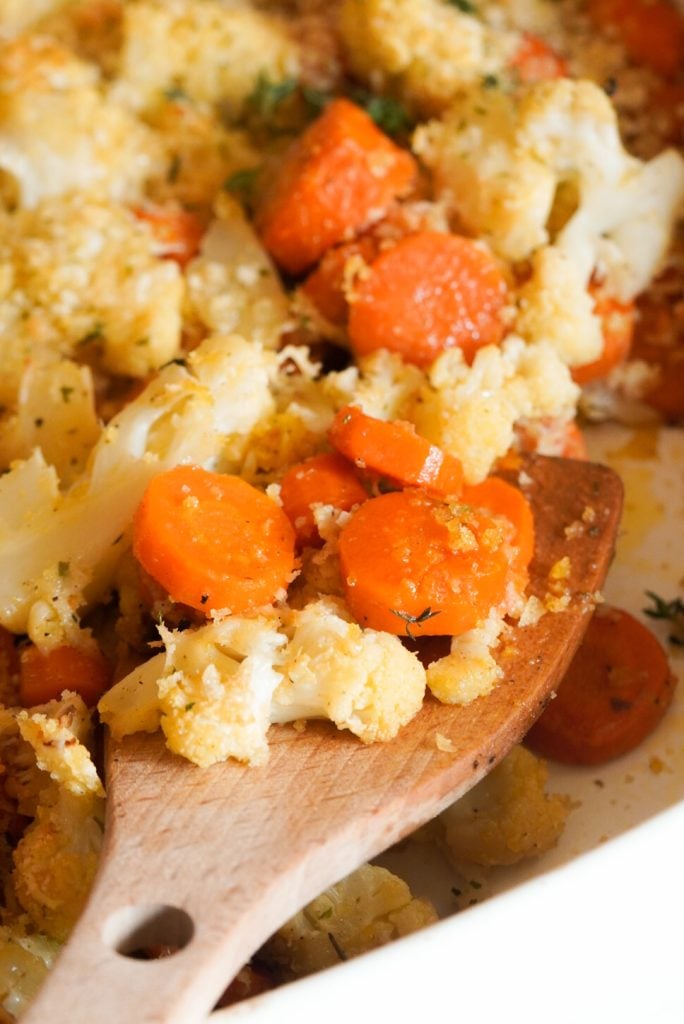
(267, 95)
(62, 569)
(389, 114)
(66, 393)
(414, 620)
(463, 5)
(668, 611)
(242, 183)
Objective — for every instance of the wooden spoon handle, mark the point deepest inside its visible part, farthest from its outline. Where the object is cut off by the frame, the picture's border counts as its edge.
(214, 860)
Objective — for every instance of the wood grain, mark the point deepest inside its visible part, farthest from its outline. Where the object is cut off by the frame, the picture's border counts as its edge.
(238, 850)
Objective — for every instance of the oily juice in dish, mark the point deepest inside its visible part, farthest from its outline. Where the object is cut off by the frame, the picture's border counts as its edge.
(263, 306)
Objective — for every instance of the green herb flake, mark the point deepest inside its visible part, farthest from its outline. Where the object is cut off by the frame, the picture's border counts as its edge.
(662, 609)
(315, 99)
(190, 706)
(62, 569)
(174, 169)
(66, 393)
(389, 114)
(325, 914)
(463, 5)
(414, 620)
(242, 183)
(96, 333)
(267, 95)
(490, 82)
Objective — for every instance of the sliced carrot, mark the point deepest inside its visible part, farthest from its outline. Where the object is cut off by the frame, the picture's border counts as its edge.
(339, 177)
(177, 233)
(428, 293)
(652, 31)
(44, 675)
(617, 689)
(617, 324)
(394, 450)
(503, 499)
(415, 565)
(328, 285)
(213, 541)
(536, 61)
(325, 479)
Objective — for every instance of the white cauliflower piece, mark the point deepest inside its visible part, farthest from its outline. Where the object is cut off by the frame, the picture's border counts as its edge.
(216, 690)
(382, 384)
(219, 687)
(213, 51)
(499, 160)
(25, 960)
(59, 732)
(56, 413)
(201, 155)
(362, 680)
(56, 860)
(59, 134)
(132, 704)
(506, 817)
(233, 286)
(469, 670)
(367, 909)
(471, 410)
(17, 15)
(81, 274)
(424, 49)
(555, 306)
(176, 419)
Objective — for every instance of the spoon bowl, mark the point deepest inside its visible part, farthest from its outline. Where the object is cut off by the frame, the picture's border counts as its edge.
(211, 861)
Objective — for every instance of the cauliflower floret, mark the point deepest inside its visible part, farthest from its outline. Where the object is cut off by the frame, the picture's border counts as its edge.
(56, 860)
(56, 413)
(506, 817)
(382, 384)
(201, 154)
(232, 284)
(424, 49)
(471, 411)
(80, 274)
(216, 690)
(25, 960)
(17, 15)
(214, 52)
(555, 307)
(499, 160)
(58, 133)
(219, 687)
(360, 679)
(59, 732)
(469, 670)
(176, 419)
(368, 909)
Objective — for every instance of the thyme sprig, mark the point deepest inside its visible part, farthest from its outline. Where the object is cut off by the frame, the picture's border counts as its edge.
(414, 620)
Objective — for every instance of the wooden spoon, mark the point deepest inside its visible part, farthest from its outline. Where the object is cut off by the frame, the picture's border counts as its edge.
(214, 860)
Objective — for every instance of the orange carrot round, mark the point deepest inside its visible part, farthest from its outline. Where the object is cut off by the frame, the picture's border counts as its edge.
(428, 293)
(418, 566)
(326, 286)
(617, 323)
(177, 233)
(339, 177)
(213, 541)
(652, 31)
(503, 499)
(44, 675)
(327, 479)
(536, 61)
(394, 450)
(617, 689)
